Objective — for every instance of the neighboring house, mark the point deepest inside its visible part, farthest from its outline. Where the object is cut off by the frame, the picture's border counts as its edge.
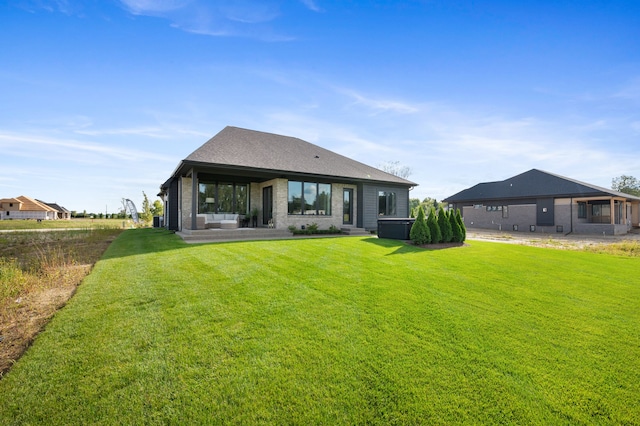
(26, 208)
(62, 212)
(289, 181)
(538, 201)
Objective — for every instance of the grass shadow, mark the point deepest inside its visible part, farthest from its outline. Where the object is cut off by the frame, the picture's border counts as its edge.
(134, 242)
(401, 246)
(405, 246)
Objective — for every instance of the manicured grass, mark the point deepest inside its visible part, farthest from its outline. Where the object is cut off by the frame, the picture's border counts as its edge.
(337, 331)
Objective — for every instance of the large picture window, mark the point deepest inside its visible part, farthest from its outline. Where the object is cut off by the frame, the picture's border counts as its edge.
(223, 197)
(309, 198)
(386, 203)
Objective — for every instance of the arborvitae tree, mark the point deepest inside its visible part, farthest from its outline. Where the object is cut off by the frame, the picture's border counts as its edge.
(419, 233)
(461, 223)
(445, 227)
(434, 228)
(455, 227)
(146, 215)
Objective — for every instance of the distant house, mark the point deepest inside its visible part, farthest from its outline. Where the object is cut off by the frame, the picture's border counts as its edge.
(538, 201)
(27, 208)
(288, 180)
(62, 212)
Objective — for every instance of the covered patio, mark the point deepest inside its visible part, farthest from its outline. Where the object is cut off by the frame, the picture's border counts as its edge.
(611, 215)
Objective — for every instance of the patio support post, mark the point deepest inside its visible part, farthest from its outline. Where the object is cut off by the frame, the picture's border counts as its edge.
(194, 200)
(613, 211)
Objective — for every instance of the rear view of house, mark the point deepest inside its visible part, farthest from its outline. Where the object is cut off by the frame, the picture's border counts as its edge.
(287, 181)
(538, 201)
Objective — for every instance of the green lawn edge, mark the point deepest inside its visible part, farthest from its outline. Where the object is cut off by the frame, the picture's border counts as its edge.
(336, 331)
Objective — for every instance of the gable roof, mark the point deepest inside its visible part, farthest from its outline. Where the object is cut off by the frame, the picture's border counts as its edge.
(534, 184)
(239, 148)
(10, 200)
(29, 204)
(54, 206)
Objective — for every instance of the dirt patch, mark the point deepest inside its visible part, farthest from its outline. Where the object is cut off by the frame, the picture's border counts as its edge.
(50, 270)
(555, 240)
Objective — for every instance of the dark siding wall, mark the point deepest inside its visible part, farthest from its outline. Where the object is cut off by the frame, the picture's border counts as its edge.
(360, 206)
(370, 203)
(544, 212)
(172, 223)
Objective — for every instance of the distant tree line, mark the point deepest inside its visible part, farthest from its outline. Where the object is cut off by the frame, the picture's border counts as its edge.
(149, 210)
(626, 184)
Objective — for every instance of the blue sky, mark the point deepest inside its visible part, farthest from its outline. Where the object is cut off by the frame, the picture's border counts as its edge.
(100, 100)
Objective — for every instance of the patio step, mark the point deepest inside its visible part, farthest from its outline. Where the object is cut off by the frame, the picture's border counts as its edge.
(352, 230)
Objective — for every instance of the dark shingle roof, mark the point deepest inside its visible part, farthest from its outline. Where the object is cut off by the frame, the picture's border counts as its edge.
(55, 206)
(251, 149)
(533, 184)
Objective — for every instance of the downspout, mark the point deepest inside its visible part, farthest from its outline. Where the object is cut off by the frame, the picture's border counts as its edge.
(570, 217)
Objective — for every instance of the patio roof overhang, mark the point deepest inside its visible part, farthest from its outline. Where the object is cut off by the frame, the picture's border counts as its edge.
(222, 172)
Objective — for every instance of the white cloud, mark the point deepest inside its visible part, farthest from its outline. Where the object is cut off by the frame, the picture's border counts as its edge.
(226, 18)
(43, 147)
(311, 5)
(144, 7)
(380, 105)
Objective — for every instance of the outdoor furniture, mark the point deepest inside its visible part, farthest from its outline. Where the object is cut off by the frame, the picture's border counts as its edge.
(219, 220)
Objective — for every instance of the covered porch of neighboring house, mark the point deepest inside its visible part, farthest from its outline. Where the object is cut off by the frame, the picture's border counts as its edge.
(610, 215)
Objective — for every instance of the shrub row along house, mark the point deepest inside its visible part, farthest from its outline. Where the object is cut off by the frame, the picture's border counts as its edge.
(27, 208)
(538, 201)
(290, 182)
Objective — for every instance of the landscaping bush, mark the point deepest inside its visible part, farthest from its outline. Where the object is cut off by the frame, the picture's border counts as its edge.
(461, 223)
(419, 233)
(445, 227)
(313, 229)
(455, 227)
(434, 228)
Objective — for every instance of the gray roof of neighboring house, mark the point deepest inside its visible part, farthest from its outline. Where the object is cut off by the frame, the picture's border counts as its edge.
(55, 206)
(533, 184)
(253, 150)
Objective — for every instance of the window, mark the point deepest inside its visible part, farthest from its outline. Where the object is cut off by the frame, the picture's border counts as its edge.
(505, 212)
(309, 198)
(207, 197)
(242, 199)
(582, 210)
(223, 198)
(601, 213)
(386, 203)
(295, 197)
(324, 199)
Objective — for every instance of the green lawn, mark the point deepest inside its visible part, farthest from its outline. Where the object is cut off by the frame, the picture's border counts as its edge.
(337, 331)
